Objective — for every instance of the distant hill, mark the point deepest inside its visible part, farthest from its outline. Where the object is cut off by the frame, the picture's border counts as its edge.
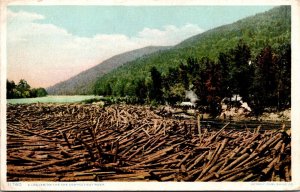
(83, 83)
(272, 27)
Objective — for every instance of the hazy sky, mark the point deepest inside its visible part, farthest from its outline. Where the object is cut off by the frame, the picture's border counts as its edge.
(49, 44)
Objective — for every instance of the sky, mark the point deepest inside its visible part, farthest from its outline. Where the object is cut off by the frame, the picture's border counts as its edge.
(50, 44)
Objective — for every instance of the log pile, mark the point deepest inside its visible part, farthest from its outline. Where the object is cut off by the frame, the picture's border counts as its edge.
(72, 142)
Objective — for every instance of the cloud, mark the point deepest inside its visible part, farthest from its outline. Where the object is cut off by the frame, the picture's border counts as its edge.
(23, 16)
(170, 35)
(45, 54)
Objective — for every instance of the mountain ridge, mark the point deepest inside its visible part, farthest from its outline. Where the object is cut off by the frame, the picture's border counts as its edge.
(83, 82)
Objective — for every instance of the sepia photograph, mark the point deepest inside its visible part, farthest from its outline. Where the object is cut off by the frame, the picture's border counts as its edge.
(139, 94)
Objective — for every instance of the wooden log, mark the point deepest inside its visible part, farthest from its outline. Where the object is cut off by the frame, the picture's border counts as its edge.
(88, 148)
(287, 173)
(249, 177)
(131, 132)
(32, 133)
(156, 147)
(115, 152)
(146, 132)
(260, 150)
(213, 172)
(235, 162)
(193, 174)
(184, 159)
(214, 158)
(66, 139)
(199, 128)
(135, 153)
(250, 146)
(22, 160)
(230, 156)
(152, 165)
(216, 134)
(159, 154)
(198, 160)
(171, 177)
(236, 177)
(250, 166)
(53, 163)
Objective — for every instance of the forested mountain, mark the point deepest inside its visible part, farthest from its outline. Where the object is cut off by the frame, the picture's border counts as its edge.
(83, 83)
(272, 27)
(250, 57)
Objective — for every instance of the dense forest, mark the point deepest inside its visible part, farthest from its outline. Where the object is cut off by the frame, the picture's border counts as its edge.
(263, 82)
(23, 90)
(251, 57)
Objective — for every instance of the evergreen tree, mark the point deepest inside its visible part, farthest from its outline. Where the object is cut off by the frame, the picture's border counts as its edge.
(283, 76)
(155, 91)
(183, 77)
(264, 83)
(39, 92)
(10, 89)
(141, 90)
(224, 60)
(23, 89)
(239, 79)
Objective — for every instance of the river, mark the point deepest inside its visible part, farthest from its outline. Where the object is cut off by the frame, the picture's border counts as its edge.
(53, 99)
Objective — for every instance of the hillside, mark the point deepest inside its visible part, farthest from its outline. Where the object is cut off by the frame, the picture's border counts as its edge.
(83, 83)
(272, 27)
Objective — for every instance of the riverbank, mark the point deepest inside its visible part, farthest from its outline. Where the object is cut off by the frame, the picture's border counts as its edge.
(232, 114)
(239, 114)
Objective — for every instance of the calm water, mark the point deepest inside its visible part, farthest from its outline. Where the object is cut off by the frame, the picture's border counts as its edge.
(53, 99)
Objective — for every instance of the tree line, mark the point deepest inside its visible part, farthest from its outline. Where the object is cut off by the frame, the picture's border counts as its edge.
(23, 90)
(263, 80)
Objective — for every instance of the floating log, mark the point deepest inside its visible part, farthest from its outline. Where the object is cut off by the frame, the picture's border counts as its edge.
(86, 142)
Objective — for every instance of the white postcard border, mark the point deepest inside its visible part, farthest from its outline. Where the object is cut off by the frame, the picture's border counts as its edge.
(84, 186)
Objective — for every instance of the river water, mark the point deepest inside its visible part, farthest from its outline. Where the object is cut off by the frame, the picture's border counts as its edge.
(53, 99)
